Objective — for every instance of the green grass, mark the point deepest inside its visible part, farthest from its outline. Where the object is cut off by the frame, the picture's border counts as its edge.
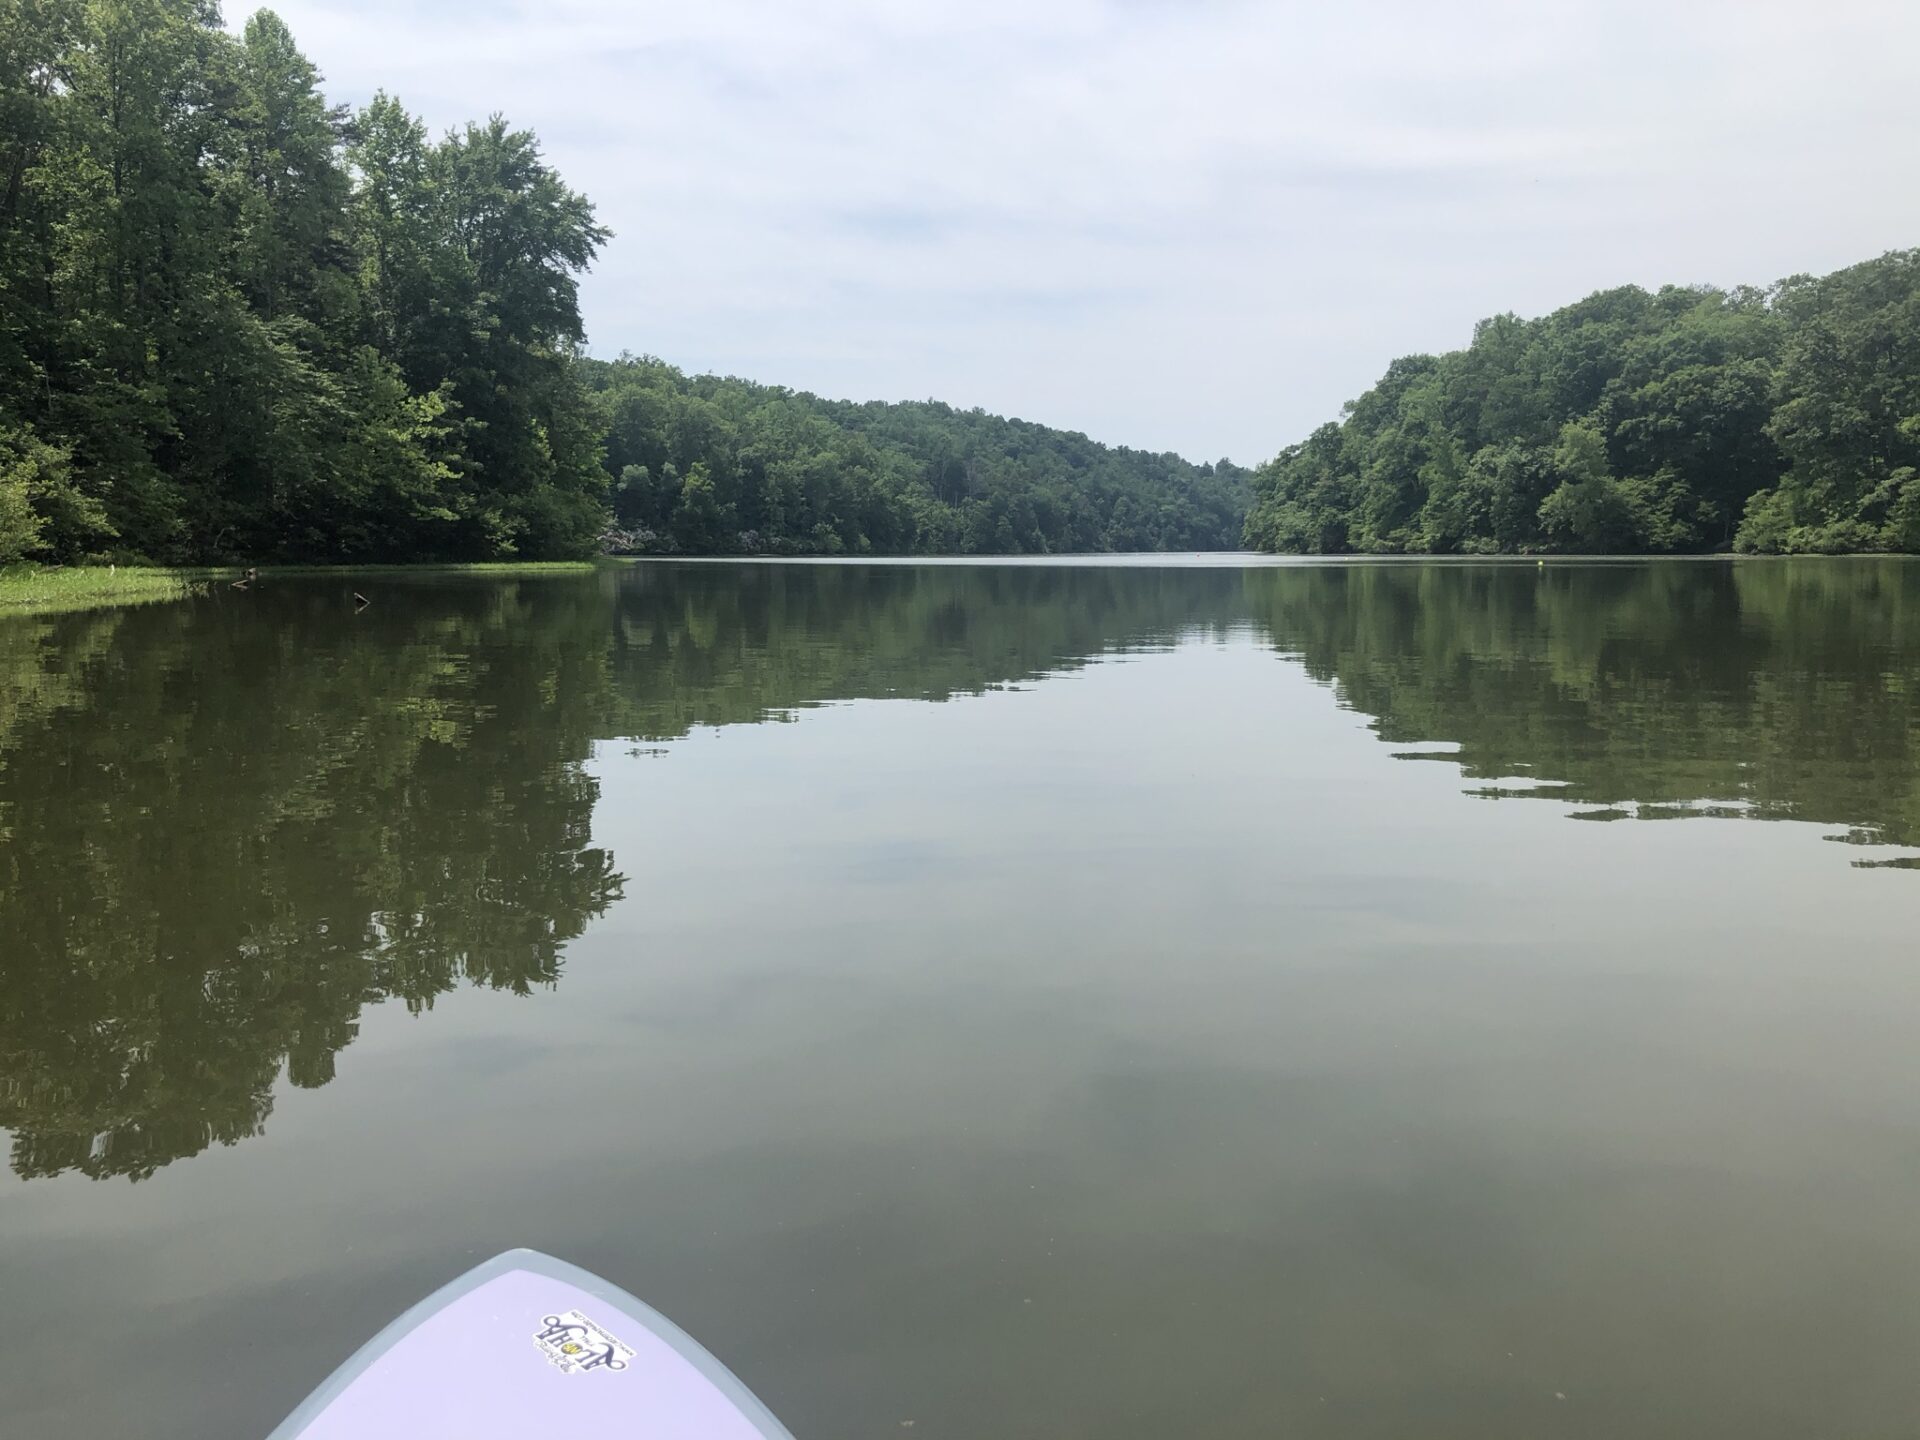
(44, 590)
(48, 590)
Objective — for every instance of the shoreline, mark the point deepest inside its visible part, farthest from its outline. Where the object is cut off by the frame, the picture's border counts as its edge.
(62, 589)
(56, 590)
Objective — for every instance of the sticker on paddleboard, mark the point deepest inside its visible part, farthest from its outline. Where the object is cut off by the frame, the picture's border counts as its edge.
(574, 1345)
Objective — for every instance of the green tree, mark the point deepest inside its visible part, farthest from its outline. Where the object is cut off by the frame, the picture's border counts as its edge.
(1588, 511)
(701, 523)
(42, 514)
(1632, 421)
(1847, 418)
(250, 329)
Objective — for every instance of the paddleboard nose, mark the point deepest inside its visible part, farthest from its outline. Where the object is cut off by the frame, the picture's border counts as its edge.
(526, 1344)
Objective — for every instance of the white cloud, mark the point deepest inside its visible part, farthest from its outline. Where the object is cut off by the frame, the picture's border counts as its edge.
(1197, 226)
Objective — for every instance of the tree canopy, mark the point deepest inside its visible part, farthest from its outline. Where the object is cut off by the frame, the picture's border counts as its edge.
(1692, 419)
(705, 464)
(237, 321)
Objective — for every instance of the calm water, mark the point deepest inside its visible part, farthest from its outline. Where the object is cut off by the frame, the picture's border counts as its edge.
(1019, 1000)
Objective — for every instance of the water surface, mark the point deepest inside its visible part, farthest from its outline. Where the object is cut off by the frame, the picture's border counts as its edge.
(1046, 1000)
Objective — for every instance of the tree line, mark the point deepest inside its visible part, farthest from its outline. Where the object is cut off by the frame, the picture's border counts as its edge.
(239, 322)
(707, 464)
(1777, 420)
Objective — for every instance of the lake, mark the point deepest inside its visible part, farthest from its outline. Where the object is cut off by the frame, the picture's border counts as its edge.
(1091, 999)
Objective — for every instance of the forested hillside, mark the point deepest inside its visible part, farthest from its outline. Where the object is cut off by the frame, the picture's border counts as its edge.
(707, 465)
(238, 322)
(1694, 419)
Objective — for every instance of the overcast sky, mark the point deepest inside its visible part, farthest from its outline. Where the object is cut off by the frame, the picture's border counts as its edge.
(1195, 225)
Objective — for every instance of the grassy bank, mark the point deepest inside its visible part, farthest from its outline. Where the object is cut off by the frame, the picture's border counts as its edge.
(45, 590)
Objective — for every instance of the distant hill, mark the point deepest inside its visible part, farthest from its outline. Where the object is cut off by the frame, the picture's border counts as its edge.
(703, 464)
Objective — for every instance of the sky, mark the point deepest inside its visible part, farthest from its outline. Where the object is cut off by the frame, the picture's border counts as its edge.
(1189, 225)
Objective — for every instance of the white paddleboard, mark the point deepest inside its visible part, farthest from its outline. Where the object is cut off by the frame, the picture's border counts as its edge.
(526, 1345)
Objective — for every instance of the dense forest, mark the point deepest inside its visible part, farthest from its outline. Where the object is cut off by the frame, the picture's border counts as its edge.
(238, 322)
(1777, 420)
(711, 465)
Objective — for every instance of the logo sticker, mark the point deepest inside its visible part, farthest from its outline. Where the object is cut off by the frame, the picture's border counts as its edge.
(573, 1343)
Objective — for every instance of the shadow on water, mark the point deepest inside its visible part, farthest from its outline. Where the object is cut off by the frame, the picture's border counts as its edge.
(1655, 691)
(227, 826)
